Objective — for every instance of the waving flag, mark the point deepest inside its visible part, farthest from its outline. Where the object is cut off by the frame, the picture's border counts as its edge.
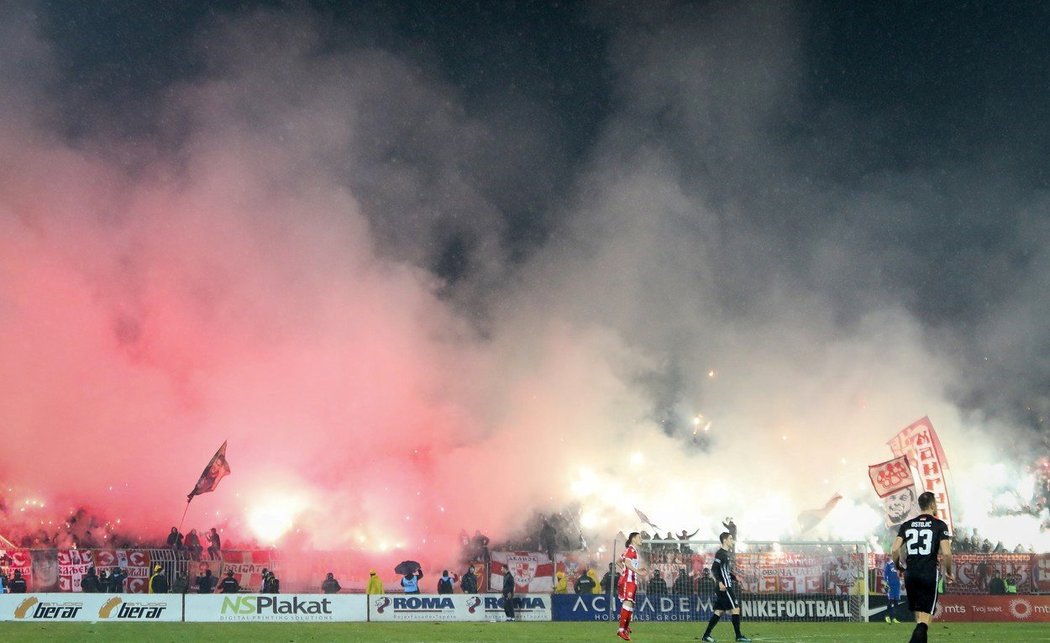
(812, 517)
(645, 518)
(216, 470)
(891, 476)
(920, 443)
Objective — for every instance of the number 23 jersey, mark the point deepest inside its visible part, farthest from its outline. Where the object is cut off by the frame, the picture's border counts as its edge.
(922, 537)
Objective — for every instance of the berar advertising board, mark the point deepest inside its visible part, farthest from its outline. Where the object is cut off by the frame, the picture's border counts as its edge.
(90, 608)
(301, 608)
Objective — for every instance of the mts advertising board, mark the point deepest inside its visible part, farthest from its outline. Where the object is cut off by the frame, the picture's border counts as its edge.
(101, 608)
(261, 608)
(1012, 608)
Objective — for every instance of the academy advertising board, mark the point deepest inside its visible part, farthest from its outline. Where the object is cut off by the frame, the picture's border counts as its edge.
(755, 607)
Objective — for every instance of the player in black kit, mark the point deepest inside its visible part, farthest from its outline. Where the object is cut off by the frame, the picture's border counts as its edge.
(922, 538)
(726, 599)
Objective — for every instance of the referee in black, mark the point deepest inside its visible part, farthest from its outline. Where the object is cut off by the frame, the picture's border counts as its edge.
(922, 538)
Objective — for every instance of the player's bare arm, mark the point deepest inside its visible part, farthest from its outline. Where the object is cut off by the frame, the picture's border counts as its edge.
(946, 560)
(895, 552)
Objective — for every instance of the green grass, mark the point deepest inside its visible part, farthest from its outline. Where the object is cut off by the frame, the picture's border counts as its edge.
(532, 632)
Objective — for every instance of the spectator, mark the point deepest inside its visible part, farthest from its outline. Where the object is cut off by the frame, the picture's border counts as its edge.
(683, 583)
(205, 582)
(706, 586)
(445, 583)
(103, 582)
(271, 584)
(158, 582)
(265, 579)
(730, 526)
(3, 582)
(175, 539)
(375, 584)
(610, 580)
(214, 543)
(89, 583)
(657, 584)
(586, 583)
(996, 586)
(508, 594)
(116, 580)
(193, 544)
(1010, 584)
(469, 582)
(17, 584)
(561, 584)
(684, 538)
(548, 538)
(411, 581)
(481, 545)
(330, 585)
(181, 584)
(982, 572)
(593, 574)
(230, 584)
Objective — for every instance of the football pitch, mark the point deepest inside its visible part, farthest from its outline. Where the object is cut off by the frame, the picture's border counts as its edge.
(484, 632)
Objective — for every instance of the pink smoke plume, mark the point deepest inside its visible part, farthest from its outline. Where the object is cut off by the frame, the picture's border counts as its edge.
(221, 281)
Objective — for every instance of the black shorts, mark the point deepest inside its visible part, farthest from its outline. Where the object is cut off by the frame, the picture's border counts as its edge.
(725, 601)
(922, 593)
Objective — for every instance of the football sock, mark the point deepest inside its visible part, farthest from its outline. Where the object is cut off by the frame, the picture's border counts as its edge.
(711, 625)
(736, 625)
(919, 635)
(625, 618)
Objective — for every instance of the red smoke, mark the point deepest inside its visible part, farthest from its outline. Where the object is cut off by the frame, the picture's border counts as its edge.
(145, 321)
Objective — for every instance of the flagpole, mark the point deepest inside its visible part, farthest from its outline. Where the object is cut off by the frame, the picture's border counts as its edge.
(184, 513)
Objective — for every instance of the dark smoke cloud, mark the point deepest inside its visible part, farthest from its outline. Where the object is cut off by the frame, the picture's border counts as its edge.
(408, 257)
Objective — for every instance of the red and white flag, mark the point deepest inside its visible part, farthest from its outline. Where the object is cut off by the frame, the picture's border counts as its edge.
(533, 571)
(920, 443)
(890, 476)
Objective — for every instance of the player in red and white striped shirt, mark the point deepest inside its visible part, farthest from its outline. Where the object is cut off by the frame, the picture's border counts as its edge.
(627, 586)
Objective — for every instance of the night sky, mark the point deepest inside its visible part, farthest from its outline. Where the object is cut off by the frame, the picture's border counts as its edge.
(938, 107)
(839, 207)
